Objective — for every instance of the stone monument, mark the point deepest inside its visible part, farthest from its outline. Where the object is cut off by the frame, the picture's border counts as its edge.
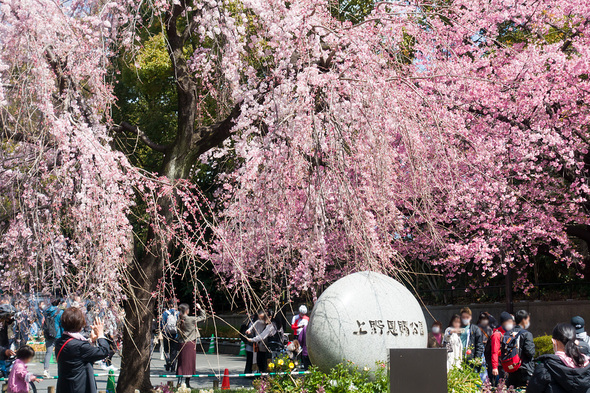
(360, 317)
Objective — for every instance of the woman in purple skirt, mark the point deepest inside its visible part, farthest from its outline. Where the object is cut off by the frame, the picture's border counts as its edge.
(188, 334)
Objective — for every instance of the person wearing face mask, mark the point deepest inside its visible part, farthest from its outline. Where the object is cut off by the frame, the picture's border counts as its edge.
(435, 337)
(568, 371)
(579, 324)
(485, 326)
(471, 338)
(506, 325)
(520, 377)
(452, 341)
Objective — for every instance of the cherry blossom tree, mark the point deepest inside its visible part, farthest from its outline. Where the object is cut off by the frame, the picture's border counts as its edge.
(518, 76)
(472, 154)
(453, 132)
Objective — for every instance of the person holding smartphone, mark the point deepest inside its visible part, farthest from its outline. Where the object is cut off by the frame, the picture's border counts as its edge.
(75, 354)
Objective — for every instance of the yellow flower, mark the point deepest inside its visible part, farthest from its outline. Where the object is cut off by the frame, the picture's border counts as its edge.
(281, 362)
(271, 366)
(291, 366)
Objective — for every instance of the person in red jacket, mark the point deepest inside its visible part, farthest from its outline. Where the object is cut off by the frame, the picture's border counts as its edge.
(506, 324)
(300, 320)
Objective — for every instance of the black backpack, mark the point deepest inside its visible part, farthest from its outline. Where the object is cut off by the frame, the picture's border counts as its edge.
(49, 329)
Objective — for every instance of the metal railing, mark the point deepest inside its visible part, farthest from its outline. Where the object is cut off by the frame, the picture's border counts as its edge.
(497, 293)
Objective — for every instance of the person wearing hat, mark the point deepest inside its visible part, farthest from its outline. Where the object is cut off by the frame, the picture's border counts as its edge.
(300, 320)
(579, 324)
(506, 325)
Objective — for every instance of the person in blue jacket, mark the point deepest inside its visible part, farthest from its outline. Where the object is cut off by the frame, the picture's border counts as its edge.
(52, 330)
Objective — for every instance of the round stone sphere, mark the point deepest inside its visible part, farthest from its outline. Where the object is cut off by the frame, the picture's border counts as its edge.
(361, 316)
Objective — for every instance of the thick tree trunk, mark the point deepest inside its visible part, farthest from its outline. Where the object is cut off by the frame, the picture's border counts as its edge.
(179, 157)
(137, 334)
(143, 278)
(145, 275)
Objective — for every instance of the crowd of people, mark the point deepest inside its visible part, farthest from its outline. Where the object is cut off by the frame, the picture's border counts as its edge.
(39, 320)
(76, 341)
(503, 351)
(79, 333)
(264, 337)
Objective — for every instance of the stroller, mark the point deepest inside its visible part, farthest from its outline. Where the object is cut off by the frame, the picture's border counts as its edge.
(277, 344)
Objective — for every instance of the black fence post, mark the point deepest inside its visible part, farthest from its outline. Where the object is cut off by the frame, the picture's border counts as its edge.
(509, 293)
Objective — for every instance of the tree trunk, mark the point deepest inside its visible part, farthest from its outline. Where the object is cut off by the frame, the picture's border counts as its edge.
(143, 278)
(145, 275)
(137, 334)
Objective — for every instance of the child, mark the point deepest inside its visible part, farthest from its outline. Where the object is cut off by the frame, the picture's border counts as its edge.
(18, 381)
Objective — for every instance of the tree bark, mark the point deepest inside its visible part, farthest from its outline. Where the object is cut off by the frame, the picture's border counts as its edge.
(143, 277)
(145, 274)
(179, 158)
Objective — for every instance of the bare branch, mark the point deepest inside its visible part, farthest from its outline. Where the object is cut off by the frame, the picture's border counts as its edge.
(206, 138)
(190, 27)
(67, 85)
(124, 126)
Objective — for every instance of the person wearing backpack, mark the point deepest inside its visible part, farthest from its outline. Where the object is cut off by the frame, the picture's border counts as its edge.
(523, 366)
(52, 331)
(495, 347)
(567, 371)
(170, 335)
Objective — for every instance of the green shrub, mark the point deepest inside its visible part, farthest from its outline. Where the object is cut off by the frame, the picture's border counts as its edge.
(238, 390)
(348, 378)
(463, 379)
(543, 345)
(343, 378)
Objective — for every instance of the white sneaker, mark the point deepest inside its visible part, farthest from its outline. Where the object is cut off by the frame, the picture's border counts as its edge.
(46, 374)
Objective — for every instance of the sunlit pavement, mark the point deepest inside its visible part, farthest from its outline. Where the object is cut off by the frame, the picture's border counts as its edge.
(206, 364)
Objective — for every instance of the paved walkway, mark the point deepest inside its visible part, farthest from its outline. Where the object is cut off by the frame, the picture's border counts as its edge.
(206, 364)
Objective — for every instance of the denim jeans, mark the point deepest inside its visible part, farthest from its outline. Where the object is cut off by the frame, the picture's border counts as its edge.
(50, 345)
(170, 352)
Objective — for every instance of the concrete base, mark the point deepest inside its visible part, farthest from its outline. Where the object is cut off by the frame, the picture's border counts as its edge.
(418, 370)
